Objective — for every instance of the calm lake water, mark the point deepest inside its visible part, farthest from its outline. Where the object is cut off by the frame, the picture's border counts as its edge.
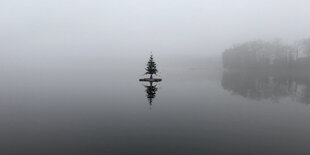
(196, 110)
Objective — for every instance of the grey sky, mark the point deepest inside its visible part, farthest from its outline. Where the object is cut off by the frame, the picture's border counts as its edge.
(41, 29)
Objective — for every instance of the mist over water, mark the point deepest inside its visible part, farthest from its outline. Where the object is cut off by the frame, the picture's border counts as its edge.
(235, 77)
(195, 109)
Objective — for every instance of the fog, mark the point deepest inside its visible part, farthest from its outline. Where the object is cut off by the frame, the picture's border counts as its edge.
(37, 31)
(234, 77)
(85, 38)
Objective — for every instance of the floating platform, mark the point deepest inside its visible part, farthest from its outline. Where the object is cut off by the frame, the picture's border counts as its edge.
(150, 80)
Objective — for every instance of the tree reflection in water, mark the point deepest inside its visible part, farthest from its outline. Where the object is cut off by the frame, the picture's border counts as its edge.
(265, 85)
(150, 92)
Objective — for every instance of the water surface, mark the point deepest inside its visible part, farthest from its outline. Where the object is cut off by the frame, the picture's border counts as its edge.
(196, 110)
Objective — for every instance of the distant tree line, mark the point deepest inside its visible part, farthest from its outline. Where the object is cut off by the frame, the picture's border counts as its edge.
(268, 70)
(268, 56)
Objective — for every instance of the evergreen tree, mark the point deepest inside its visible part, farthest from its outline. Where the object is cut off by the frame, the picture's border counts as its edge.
(151, 67)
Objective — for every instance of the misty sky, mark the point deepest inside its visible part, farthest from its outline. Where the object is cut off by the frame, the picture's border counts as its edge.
(36, 30)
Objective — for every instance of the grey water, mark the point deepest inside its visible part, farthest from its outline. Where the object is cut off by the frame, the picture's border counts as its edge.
(196, 109)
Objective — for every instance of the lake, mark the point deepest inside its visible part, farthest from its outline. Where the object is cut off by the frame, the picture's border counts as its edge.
(197, 109)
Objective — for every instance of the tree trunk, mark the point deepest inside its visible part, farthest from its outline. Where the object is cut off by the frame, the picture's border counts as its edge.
(151, 77)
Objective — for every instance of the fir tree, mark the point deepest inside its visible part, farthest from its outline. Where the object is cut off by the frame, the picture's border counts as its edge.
(151, 67)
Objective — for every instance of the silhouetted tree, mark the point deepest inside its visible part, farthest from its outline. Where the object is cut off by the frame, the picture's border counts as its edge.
(151, 67)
